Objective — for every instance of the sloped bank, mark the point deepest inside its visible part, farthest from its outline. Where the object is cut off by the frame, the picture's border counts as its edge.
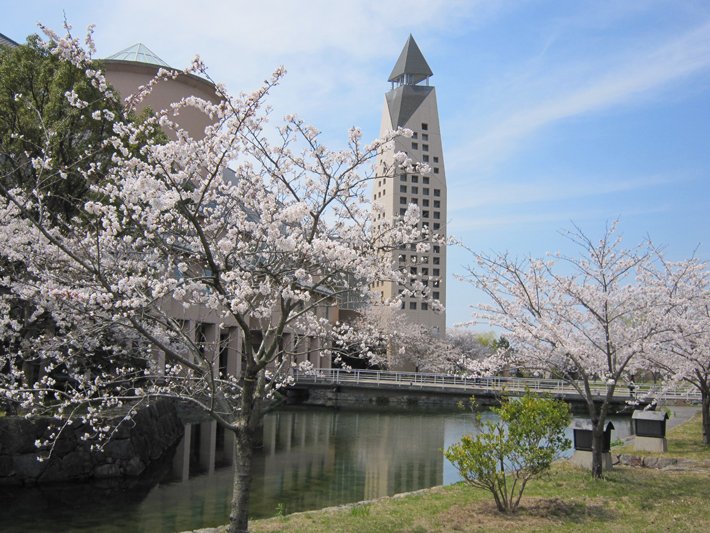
(154, 430)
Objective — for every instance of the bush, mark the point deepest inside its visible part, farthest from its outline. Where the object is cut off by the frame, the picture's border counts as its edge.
(509, 452)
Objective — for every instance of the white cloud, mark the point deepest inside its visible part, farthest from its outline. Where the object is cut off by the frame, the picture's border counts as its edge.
(640, 72)
(494, 194)
(463, 223)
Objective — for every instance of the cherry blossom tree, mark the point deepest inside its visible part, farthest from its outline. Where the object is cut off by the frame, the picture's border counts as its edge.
(387, 338)
(682, 354)
(584, 319)
(263, 228)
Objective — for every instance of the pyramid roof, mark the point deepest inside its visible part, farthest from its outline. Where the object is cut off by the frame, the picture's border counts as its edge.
(412, 62)
(139, 53)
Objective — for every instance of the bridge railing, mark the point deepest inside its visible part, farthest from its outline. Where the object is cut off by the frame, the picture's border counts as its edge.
(513, 385)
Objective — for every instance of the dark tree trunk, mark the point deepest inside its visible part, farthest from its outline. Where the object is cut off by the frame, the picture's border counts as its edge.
(706, 416)
(243, 450)
(597, 446)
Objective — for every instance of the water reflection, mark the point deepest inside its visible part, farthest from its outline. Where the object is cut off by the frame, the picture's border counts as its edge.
(310, 459)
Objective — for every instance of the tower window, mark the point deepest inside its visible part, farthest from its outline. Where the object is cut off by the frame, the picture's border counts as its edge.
(425, 202)
(425, 190)
(402, 211)
(415, 146)
(436, 170)
(437, 203)
(435, 295)
(425, 179)
(425, 136)
(402, 177)
(436, 226)
(437, 192)
(425, 214)
(437, 214)
(415, 190)
(414, 135)
(437, 249)
(425, 147)
(436, 159)
(402, 188)
(403, 200)
(413, 306)
(425, 306)
(413, 271)
(415, 179)
(436, 260)
(425, 158)
(436, 271)
(425, 126)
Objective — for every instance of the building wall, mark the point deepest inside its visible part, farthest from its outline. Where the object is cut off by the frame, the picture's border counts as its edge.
(127, 76)
(394, 194)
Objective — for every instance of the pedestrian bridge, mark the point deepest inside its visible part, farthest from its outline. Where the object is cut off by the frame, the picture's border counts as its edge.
(480, 386)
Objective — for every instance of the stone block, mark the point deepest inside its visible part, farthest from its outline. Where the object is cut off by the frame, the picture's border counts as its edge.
(584, 459)
(133, 467)
(650, 444)
(106, 471)
(27, 466)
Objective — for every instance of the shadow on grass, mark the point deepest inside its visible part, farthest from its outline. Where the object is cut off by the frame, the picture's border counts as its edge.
(533, 512)
(567, 510)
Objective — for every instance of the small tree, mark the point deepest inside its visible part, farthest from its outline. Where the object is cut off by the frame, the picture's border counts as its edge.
(682, 353)
(511, 451)
(589, 320)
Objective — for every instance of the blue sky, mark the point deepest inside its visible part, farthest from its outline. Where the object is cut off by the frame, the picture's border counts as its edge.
(551, 112)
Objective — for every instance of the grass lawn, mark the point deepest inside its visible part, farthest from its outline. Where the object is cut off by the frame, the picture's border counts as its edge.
(568, 499)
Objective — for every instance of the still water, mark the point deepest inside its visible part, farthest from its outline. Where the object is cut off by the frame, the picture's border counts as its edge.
(310, 459)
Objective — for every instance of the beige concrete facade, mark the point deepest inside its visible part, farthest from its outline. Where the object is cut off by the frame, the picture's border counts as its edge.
(411, 104)
(127, 76)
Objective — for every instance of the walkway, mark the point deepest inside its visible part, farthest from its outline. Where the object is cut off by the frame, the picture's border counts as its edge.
(492, 385)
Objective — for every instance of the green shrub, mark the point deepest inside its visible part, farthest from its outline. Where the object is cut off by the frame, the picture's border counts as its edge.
(508, 452)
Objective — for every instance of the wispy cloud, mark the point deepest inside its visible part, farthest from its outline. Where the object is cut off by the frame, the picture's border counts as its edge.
(464, 223)
(495, 195)
(641, 72)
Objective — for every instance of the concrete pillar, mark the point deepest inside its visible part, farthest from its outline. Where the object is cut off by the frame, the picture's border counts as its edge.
(208, 445)
(234, 358)
(314, 352)
(181, 460)
(210, 349)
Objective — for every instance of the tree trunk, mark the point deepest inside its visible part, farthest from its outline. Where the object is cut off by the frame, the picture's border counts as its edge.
(706, 417)
(243, 450)
(597, 444)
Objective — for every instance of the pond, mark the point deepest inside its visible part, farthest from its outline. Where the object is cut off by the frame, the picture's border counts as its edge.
(311, 458)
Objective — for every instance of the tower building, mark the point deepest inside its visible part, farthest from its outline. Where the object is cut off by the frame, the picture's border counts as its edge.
(411, 103)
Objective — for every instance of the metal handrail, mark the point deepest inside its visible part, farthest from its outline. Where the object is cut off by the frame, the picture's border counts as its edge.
(382, 378)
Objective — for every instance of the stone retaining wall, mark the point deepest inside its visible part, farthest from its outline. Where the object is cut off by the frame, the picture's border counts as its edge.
(135, 445)
(342, 396)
